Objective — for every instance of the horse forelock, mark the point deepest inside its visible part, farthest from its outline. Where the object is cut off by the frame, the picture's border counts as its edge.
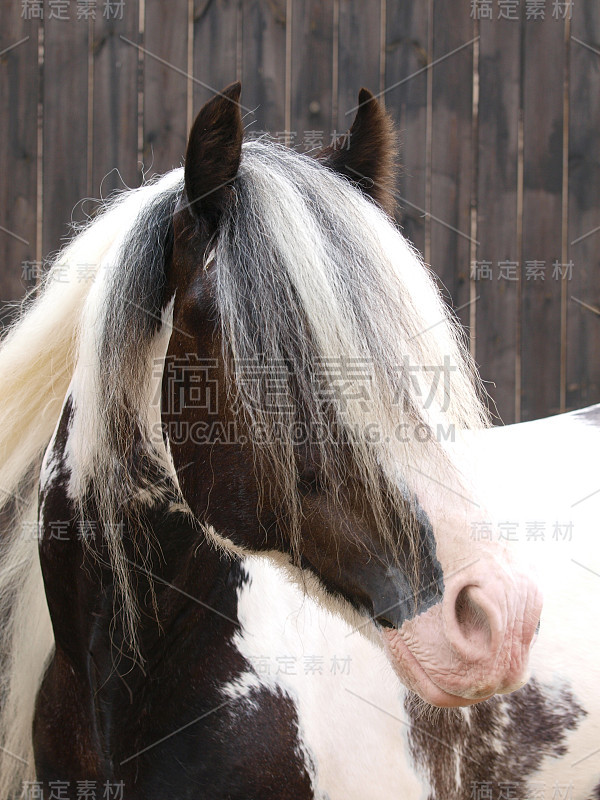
(319, 292)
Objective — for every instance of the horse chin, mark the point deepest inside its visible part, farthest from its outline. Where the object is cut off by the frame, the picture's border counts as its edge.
(415, 678)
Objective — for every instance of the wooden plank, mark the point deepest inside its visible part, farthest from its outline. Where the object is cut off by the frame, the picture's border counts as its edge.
(114, 144)
(498, 254)
(264, 65)
(542, 214)
(19, 86)
(406, 100)
(216, 35)
(452, 151)
(166, 72)
(358, 55)
(65, 122)
(583, 324)
(312, 70)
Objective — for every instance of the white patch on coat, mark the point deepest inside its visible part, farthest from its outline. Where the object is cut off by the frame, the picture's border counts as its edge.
(546, 472)
(539, 471)
(353, 726)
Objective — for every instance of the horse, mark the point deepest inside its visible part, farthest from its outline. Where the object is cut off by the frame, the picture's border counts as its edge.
(243, 486)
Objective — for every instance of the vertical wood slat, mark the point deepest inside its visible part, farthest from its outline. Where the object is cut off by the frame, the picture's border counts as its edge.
(215, 48)
(65, 124)
(452, 151)
(542, 214)
(114, 144)
(583, 324)
(263, 64)
(19, 86)
(165, 85)
(497, 224)
(406, 100)
(312, 67)
(358, 56)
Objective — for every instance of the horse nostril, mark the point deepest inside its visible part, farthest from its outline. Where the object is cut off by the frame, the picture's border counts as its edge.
(471, 617)
(384, 622)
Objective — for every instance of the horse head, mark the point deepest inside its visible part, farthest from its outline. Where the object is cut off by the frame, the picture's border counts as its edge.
(310, 364)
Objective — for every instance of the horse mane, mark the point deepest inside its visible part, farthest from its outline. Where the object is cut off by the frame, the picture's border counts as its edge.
(38, 358)
(117, 455)
(310, 273)
(317, 288)
(311, 276)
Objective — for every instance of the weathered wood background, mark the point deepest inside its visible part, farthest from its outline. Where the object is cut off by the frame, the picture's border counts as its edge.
(497, 104)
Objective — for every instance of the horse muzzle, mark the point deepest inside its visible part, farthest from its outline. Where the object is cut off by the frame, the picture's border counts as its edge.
(472, 644)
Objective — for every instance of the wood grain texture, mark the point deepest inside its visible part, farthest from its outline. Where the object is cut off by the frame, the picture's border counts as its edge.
(542, 205)
(406, 100)
(19, 87)
(583, 324)
(452, 151)
(115, 112)
(358, 55)
(216, 35)
(497, 205)
(312, 72)
(65, 124)
(263, 64)
(165, 85)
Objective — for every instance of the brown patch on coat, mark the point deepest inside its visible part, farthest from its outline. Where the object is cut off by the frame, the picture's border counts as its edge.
(498, 744)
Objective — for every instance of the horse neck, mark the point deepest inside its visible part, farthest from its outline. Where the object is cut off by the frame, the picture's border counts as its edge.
(175, 575)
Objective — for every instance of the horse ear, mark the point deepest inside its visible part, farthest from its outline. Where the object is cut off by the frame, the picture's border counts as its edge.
(213, 154)
(366, 153)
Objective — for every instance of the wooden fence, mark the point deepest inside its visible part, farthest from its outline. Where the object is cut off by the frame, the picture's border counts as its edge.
(497, 104)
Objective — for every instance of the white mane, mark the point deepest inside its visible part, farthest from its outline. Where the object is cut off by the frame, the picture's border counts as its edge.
(314, 276)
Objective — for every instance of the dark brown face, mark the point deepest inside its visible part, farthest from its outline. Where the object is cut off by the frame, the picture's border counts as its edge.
(212, 454)
(222, 474)
(230, 486)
